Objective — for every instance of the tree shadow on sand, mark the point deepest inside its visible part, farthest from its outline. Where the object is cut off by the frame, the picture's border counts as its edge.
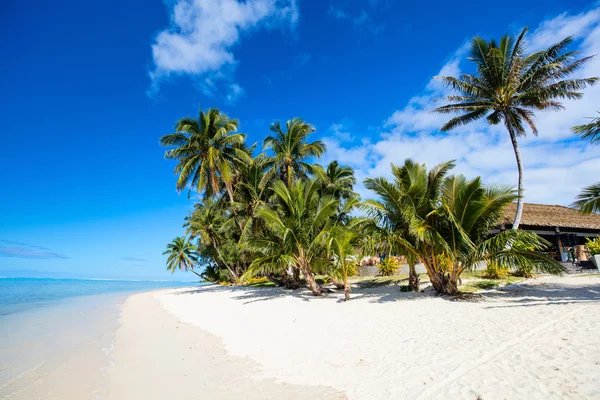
(522, 295)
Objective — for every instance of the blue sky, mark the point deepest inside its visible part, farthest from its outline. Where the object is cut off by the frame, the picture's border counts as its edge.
(89, 87)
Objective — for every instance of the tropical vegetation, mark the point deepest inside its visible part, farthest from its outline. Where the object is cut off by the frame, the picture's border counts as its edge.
(510, 85)
(276, 215)
(588, 201)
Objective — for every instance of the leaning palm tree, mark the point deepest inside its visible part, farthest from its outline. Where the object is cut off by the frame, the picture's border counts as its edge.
(207, 150)
(510, 85)
(291, 150)
(183, 255)
(295, 232)
(206, 223)
(589, 131)
(588, 200)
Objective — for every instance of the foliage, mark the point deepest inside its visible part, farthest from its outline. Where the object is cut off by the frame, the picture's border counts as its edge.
(510, 85)
(207, 150)
(593, 245)
(438, 214)
(292, 149)
(295, 231)
(256, 281)
(388, 267)
(494, 271)
(182, 255)
(589, 131)
(588, 200)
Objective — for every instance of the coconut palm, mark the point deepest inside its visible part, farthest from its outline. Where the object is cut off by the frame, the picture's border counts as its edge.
(182, 255)
(342, 245)
(292, 149)
(412, 197)
(207, 150)
(335, 181)
(295, 231)
(510, 85)
(206, 223)
(589, 131)
(588, 200)
(444, 221)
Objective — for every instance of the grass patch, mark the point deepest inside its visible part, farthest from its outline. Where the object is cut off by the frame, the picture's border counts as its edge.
(477, 284)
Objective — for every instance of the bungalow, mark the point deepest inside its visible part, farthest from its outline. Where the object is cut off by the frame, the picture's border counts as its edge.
(564, 227)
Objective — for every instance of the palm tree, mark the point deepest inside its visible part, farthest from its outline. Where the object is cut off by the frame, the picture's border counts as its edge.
(444, 221)
(588, 200)
(292, 149)
(207, 150)
(412, 196)
(342, 244)
(295, 231)
(335, 181)
(589, 131)
(206, 222)
(510, 85)
(182, 255)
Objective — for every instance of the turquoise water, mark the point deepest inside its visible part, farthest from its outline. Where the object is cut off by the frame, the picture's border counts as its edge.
(21, 294)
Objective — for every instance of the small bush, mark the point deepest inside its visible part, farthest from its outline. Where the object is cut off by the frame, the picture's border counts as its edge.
(593, 246)
(256, 281)
(494, 271)
(388, 267)
(443, 262)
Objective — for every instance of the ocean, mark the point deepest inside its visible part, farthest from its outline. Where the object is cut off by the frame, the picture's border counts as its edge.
(57, 335)
(21, 294)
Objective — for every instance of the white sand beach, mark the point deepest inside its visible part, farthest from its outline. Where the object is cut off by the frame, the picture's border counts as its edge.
(535, 341)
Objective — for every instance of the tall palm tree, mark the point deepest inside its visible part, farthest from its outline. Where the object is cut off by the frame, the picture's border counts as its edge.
(510, 85)
(292, 149)
(206, 223)
(182, 255)
(295, 231)
(588, 200)
(589, 131)
(207, 150)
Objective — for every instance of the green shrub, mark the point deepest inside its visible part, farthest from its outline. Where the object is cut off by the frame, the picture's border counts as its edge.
(388, 267)
(256, 281)
(494, 271)
(593, 246)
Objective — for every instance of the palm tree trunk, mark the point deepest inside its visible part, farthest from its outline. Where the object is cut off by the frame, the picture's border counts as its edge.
(413, 277)
(197, 274)
(347, 289)
(513, 139)
(314, 287)
(234, 276)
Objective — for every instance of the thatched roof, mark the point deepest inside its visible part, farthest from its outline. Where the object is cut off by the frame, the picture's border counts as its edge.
(551, 216)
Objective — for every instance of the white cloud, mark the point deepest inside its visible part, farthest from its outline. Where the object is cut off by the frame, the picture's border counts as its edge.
(203, 32)
(234, 94)
(557, 165)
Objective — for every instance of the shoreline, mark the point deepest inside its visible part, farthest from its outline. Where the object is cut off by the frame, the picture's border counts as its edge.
(532, 340)
(157, 357)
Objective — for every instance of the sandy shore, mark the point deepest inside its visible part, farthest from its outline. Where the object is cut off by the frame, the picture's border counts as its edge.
(537, 341)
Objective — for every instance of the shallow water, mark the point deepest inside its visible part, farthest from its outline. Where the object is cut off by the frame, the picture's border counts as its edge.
(56, 335)
(20, 294)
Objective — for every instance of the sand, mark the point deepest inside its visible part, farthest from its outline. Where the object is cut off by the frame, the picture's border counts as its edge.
(534, 341)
